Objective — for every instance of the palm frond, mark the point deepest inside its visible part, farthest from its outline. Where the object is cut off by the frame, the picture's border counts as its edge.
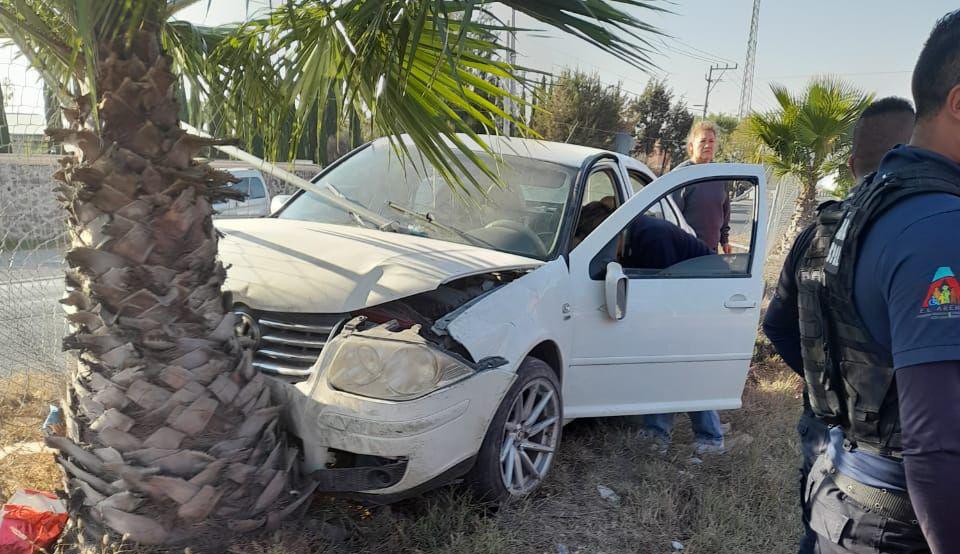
(589, 20)
(426, 68)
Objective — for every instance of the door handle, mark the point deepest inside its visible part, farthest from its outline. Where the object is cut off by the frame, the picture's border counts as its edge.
(739, 301)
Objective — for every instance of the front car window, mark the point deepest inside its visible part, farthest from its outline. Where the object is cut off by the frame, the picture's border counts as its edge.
(524, 217)
(647, 248)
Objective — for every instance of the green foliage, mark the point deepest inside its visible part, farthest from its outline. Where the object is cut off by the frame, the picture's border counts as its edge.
(808, 137)
(660, 122)
(845, 182)
(579, 109)
(316, 67)
(725, 123)
(737, 145)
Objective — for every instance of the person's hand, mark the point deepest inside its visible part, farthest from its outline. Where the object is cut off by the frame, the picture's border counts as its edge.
(727, 249)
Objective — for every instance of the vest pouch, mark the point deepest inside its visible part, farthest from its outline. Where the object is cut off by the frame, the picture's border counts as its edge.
(825, 399)
(868, 393)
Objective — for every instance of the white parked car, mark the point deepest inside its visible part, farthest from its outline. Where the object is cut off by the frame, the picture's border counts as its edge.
(441, 336)
(257, 200)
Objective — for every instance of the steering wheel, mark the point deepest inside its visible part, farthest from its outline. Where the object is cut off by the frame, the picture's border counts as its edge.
(523, 230)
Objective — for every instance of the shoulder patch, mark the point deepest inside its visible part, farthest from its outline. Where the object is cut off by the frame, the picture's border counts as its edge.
(943, 296)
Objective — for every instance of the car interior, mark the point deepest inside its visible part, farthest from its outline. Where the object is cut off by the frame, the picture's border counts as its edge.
(734, 264)
(522, 217)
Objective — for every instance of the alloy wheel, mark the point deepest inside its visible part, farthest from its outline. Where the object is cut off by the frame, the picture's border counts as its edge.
(530, 437)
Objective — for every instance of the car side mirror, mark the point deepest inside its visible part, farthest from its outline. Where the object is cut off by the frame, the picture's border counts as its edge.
(278, 201)
(615, 290)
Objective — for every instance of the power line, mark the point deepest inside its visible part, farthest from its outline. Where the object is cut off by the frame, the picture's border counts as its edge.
(708, 54)
(675, 50)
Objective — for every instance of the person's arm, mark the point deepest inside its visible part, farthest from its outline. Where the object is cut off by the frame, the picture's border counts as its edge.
(781, 323)
(929, 397)
(725, 226)
(659, 244)
(925, 343)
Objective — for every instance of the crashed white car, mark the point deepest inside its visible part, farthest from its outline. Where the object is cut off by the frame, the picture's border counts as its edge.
(437, 334)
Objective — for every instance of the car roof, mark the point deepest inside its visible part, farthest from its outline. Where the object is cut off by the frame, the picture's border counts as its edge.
(570, 155)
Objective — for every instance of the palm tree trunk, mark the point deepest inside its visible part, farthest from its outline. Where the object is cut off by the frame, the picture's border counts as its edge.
(172, 436)
(804, 214)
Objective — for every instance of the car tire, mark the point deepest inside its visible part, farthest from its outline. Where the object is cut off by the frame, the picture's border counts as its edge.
(516, 432)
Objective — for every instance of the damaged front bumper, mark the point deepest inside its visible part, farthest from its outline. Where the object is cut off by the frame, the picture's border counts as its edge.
(412, 443)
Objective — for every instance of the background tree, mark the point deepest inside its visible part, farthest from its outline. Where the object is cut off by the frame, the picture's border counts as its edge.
(172, 435)
(739, 145)
(808, 137)
(726, 125)
(579, 109)
(661, 126)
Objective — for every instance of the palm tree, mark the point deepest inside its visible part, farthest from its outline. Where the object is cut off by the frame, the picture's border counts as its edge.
(808, 137)
(172, 436)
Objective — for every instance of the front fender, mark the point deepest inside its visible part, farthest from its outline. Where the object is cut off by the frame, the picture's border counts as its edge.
(513, 319)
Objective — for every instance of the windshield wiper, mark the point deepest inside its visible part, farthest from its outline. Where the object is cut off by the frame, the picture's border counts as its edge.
(356, 217)
(428, 218)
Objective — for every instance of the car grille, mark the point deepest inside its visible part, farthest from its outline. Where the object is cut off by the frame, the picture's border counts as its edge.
(291, 343)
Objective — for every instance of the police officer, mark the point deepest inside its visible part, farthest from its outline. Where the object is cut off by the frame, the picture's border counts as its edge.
(879, 311)
(884, 124)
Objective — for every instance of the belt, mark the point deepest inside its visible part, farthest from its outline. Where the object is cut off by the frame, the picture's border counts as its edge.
(892, 504)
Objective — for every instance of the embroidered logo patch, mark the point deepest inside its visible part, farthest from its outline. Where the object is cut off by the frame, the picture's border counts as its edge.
(943, 296)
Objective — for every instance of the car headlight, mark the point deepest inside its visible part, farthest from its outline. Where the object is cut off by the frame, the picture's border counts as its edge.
(390, 369)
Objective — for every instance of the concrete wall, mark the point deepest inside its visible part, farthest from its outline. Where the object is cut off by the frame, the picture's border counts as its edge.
(29, 211)
(31, 216)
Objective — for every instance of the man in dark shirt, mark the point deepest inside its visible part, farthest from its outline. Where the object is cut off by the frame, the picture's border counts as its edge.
(651, 243)
(883, 125)
(705, 205)
(908, 297)
(658, 244)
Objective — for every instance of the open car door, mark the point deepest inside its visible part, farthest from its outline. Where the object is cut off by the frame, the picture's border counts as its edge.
(653, 339)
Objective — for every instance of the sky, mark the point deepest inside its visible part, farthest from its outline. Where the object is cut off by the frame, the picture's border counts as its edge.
(873, 44)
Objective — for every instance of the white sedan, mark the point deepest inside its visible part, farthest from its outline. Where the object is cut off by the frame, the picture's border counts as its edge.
(432, 334)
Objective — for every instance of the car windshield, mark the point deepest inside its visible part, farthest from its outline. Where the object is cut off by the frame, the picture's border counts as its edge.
(524, 217)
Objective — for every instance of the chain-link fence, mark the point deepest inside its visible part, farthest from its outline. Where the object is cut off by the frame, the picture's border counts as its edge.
(33, 240)
(32, 227)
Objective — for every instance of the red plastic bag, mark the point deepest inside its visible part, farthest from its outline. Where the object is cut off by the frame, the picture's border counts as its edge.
(31, 519)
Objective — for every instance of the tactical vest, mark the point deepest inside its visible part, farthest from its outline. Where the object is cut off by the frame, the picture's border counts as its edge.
(849, 376)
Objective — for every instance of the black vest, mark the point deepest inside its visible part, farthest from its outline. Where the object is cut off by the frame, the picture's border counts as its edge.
(849, 376)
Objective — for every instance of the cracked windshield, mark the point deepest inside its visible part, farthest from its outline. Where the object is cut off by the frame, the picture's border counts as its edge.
(522, 217)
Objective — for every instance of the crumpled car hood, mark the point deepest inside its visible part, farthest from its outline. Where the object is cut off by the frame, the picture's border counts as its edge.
(297, 266)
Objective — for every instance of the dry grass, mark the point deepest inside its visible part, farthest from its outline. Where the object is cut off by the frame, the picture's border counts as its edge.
(742, 502)
(24, 401)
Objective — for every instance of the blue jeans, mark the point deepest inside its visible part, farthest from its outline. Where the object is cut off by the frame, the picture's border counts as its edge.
(706, 426)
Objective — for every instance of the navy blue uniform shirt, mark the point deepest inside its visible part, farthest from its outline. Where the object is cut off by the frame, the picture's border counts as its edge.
(908, 295)
(658, 244)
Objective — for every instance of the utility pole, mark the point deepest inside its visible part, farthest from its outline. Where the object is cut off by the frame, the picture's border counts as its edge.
(711, 82)
(746, 92)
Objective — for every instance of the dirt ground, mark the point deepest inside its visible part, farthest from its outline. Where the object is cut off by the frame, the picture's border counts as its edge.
(741, 502)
